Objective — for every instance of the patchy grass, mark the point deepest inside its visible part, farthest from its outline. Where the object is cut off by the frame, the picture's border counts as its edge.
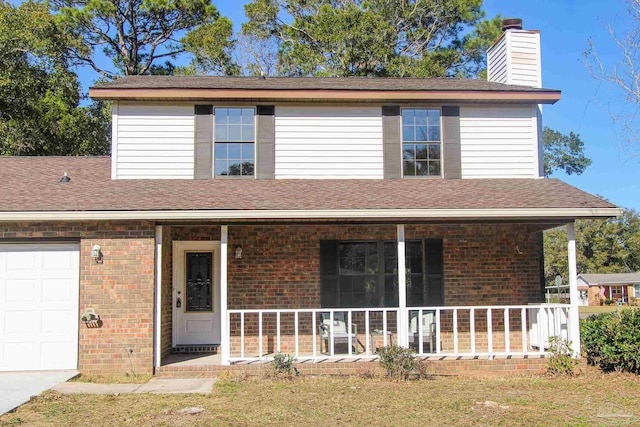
(592, 398)
(112, 379)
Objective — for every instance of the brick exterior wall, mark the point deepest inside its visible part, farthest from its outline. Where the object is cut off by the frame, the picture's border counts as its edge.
(121, 290)
(484, 264)
(166, 316)
(464, 367)
(593, 296)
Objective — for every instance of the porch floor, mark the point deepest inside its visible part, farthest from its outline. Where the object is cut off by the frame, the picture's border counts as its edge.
(178, 360)
(186, 360)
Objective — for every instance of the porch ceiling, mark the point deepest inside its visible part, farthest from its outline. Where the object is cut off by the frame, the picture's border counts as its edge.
(37, 194)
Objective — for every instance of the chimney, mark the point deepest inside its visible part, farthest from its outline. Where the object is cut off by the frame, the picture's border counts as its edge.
(515, 57)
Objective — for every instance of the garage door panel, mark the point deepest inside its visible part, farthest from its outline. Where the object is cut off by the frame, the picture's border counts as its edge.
(21, 260)
(56, 290)
(21, 356)
(20, 323)
(55, 355)
(56, 322)
(57, 261)
(20, 290)
(39, 289)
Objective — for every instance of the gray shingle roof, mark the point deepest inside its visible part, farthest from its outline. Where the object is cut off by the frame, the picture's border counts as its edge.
(611, 278)
(32, 184)
(313, 83)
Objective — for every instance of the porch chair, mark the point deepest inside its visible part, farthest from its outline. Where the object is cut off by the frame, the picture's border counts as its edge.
(428, 331)
(340, 334)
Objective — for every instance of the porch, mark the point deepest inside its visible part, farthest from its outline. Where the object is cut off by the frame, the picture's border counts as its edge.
(270, 293)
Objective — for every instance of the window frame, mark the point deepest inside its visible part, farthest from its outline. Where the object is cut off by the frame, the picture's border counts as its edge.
(381, 275)
(427, 275)
(255, 142)
(402, 142)
(212, 285)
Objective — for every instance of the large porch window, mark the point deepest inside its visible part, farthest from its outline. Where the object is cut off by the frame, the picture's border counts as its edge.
(425, 275)
(365, 274)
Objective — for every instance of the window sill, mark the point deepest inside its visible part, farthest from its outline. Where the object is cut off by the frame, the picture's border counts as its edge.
(233, 177)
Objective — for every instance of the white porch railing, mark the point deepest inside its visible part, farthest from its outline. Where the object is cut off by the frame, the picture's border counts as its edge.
(356, 333)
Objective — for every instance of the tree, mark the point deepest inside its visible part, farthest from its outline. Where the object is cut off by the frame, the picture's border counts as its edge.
(609, 245)
(623, 75)
(563, 152)
(39, 95)
(374, 38)
(137, 34)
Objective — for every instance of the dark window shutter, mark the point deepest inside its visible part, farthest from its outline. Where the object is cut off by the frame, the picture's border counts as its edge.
(392, 144)
(203, 152)
(451, 142)
(435, 271)
(265, 142)
(329, 273)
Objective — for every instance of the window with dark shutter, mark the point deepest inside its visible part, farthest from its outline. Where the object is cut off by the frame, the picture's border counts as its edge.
(203, 152)
(365, 274)
(421, 142)
(234, 137)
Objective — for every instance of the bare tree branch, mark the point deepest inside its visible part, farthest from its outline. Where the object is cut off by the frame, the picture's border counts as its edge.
(623, 75)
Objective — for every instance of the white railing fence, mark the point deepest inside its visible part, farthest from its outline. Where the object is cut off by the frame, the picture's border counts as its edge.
(354, 333)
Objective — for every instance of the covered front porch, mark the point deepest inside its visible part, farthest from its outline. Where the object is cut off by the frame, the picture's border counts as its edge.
(329, 292)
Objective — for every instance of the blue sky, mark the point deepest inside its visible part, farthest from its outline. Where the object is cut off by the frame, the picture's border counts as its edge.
(566, 27)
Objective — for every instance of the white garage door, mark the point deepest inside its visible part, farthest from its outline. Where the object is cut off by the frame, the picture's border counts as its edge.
(39, 292)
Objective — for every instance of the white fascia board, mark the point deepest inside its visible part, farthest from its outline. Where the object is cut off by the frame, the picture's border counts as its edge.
(475, 214)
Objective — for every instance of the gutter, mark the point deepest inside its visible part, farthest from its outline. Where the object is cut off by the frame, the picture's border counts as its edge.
(431, 214)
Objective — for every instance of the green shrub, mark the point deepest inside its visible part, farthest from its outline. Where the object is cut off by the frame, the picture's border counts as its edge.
(283, 364)
(612, 340)
(399, 362)
(608, 301)
(561, 361)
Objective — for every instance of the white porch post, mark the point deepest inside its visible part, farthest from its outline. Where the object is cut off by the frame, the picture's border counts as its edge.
(224, 322)
(403, 330)
(157, 333)
(574, 295)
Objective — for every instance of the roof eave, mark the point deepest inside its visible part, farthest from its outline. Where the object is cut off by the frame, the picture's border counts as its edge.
(163, 94)
(560, 214)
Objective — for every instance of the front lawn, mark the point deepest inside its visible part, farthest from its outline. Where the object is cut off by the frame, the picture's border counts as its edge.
(592, 398)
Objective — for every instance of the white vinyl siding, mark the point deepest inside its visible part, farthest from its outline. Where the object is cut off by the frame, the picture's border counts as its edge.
(328, 142)
(497, 58)
(153, 141)
(525, 59)
(499, 142)
(515, 59)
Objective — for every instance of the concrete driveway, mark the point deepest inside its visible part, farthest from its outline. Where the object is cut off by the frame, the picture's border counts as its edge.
(17, 388)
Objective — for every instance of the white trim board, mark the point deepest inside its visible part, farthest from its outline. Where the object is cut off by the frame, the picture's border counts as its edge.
(513, 213)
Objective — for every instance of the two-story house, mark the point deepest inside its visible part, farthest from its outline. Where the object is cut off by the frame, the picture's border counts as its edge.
(319, 217)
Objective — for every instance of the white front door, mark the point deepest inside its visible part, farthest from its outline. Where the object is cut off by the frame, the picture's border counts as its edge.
(196, 292)
(39, 291)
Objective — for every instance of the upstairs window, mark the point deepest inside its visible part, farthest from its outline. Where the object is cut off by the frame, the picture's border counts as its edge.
(234, 147)
(421, 142)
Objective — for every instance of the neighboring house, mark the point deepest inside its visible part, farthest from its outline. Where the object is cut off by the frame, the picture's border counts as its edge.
(621, 288)
(254, 215)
